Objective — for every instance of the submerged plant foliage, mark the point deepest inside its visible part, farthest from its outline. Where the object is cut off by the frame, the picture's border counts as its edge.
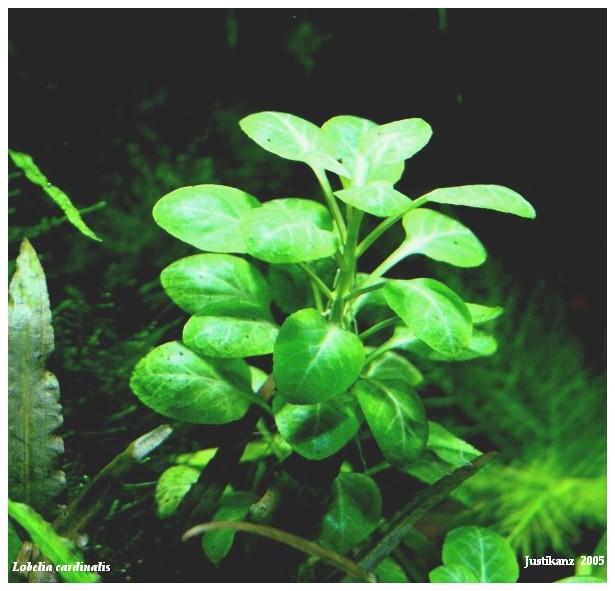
(333, 371)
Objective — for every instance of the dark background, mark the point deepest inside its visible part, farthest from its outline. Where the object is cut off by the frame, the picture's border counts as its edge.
(515, 97)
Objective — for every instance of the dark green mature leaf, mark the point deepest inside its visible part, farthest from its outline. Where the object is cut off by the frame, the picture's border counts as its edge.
(396, 418)
(378, 198)
(177, 383)
(217, 284)
(35, 175)
(317, 431)
(433, 312)
(344, 133)
(172, 487)
(289, 231)
(14, 543)
(479, 551)
(354, 512)
(226, 336)
(34, 409)
(441, 238)
(395, 142)
(234, 506)
(315, 360)
(392, 366)
(205, 216)
(290, 137)
(290, 287)
(484, 196)
(58, 550)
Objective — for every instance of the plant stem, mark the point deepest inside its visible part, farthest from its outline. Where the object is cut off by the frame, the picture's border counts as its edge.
(331, 201)
(317, 280)
(397, 255)
(378, 327)
(357, 292)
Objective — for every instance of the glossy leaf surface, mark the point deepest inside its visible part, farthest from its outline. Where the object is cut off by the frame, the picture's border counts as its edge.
(172, 487)
(378, 198)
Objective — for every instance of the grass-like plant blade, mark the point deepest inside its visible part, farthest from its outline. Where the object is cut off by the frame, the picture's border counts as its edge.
(34, 393)
(34, 174)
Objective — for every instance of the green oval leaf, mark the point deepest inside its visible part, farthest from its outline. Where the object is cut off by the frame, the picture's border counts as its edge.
(210, 284)
(378, 198)
(478, 550)
(433, 312)
(582, 579)
(205, 216)
(289, 231)
(177, 383)
(354, 512)
(396, 141)
(315, 360)
(441, 238)
(290, 137)
(344, 133)
(234, 506)
(317, 431)
(493, 197)
(396, 418)
(389, 571)
(449, 447)
(227, 336)
(172, 486)
(481, 314)
(392, 366)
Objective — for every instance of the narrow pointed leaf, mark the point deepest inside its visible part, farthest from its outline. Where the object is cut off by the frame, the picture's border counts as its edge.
(290, 137)
(58, 550)
(234, 506)
(354, 512)
(228, 336)
(35, 175)
(396, 141)
(177, 383)
(315, 360)
(210, 284)
(482, 314)
(172, 487)
(396, 418)
(34, 410)
(493, 197)
(317, 431)
(205, 216)
(434, 313)
(289, 231)
(441, 238)
(378, 198)
(449, 447)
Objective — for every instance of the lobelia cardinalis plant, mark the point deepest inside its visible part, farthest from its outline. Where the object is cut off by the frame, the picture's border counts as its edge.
(340, 356)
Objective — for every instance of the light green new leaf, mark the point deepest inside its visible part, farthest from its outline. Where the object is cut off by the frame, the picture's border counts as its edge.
(396, 418)
(14, 544)
(392, 366)
(378, 198)
(227, 336)
(211, 284)
(234, 506)
(493, 197)
(205, 216)
(177, 383)
(58, 550)
(317, 431)
(582, 579)
(35, 175)
(289, 231)
(315, 360)
(172, 486)
(395, 142)
(449, 447)
(482, 314)
(354, 512)
(344, 133)
(441, 238)
(290, 137)
(452, 573)
(485, 554)
(257, 378)
(434, 313)
(389, 571)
